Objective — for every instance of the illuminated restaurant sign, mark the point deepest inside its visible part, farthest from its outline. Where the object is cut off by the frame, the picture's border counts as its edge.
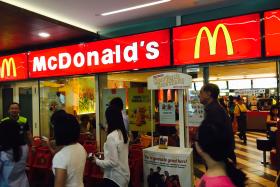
(13, 67)
(219, 40)
(141, 51)
(272, 32)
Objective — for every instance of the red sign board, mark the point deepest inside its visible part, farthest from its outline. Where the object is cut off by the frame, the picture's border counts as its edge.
(272, 32)
(13, 67)
(220, 40)
(147, 50)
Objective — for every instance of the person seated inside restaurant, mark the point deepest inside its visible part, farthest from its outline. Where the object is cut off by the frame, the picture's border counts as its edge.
(271, 122)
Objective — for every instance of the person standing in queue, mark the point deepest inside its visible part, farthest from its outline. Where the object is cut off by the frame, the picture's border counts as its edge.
(213, 110)
(118, 104)
(240, 114)
(70, 157)
(115, 162)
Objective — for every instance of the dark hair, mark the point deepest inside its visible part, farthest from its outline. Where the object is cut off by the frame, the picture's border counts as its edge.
(213, 89)
(66, 128)
(14, 103)
(214, 139)
(10, 139)
(84, 118)
(115, 121)
(230, 98)
(239, 98)
(222, 103)
(273, 107)
(117, 103)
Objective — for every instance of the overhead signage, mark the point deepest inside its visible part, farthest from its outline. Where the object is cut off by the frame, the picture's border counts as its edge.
(169, 80)
(219, 40)
(13, 67)
(141, 51)
(272, 32)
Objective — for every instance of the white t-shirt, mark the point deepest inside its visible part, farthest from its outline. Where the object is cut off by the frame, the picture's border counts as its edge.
(72, 158)
(115, 163)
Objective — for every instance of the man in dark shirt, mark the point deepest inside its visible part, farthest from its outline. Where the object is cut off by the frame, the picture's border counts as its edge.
(215, 112)
(24, 129)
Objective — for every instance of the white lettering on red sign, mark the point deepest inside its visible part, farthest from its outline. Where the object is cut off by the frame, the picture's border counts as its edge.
(108, 56)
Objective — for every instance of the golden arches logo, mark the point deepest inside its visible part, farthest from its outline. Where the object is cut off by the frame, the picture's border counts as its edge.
(7, 64)
(212, 40)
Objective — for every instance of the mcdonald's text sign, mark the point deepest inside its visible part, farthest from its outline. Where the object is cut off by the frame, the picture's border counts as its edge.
(140, 51)
(219, 40)
(272, 32)
(13, 67)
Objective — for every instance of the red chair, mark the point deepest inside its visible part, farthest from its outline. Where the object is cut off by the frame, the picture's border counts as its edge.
(87, 170)
(90, 146)
(96, 173)
(37, 142)
(43, 158)
(135, 172)
(41, 165)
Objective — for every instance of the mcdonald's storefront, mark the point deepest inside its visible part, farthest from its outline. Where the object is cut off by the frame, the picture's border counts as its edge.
(240, 54)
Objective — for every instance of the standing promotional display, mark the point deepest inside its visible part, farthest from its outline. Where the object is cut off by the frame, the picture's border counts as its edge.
(168, 167)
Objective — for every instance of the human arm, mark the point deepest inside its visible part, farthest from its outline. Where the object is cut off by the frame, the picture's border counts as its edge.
(29, 137)
(110, 159)
(60, 177)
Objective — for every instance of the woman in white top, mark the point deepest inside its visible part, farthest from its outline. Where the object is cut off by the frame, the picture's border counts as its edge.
(69, 162)
(115, 163)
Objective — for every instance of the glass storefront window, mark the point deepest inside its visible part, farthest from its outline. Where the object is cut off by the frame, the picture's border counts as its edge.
(75, 95)
(256, 83)
(132, 89)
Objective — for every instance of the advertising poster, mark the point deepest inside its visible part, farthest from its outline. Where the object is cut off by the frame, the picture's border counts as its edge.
(168, 167)
(195, 110)
(167, 113)
(139, 109)
(86, 95)
(109, 94)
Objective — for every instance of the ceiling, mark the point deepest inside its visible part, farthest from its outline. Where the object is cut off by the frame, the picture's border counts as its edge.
(19, 31)
(73, 21)
(86, 13)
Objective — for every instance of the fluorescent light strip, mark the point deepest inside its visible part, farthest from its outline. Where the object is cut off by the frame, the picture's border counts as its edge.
(134, 7)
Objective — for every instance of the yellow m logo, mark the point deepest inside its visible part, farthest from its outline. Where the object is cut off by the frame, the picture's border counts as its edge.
(8, 64)
(212, 40)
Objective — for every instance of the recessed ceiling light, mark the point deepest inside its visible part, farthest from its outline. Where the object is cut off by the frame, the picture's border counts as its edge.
(44, 34)
(134, 7)
(135, 69)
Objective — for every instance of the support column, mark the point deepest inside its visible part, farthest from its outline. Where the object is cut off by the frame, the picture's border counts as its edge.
(278, 80)
(206, 74)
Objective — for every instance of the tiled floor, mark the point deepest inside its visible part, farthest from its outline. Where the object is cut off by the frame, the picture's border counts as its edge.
(249, 159)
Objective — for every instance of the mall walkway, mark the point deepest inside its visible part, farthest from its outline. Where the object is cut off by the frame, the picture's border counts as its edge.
(249, 159)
